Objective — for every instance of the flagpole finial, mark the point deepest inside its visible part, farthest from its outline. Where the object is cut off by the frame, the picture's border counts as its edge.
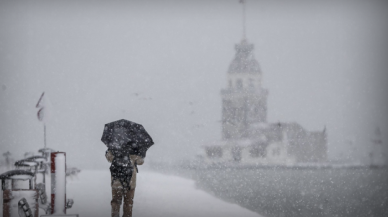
(38, 105)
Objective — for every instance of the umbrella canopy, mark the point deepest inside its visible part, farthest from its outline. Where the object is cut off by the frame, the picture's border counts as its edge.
(124, 135)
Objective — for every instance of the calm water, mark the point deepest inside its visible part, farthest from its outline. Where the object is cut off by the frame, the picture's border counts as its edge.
(350, 192)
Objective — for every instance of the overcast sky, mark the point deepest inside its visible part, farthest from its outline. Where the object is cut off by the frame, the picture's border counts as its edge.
(163, 64)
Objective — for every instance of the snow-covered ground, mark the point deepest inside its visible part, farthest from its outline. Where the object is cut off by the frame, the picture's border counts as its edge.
(156, 195)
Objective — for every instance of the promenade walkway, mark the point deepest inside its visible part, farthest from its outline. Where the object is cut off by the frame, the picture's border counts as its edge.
(156, 195)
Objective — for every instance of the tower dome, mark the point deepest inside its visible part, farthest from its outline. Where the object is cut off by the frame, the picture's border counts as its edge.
(244, 61)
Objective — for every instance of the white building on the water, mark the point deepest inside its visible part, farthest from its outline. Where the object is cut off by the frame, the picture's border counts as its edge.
(247, 138)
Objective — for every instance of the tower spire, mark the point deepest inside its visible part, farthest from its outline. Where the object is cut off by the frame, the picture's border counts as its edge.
(243, 19)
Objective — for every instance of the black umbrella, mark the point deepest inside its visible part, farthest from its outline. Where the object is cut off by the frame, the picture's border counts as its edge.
(126, 136)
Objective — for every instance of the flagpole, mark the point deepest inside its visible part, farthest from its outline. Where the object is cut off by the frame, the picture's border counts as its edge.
(45, 136)
(244, 29)
(243, 19)
(43, 106)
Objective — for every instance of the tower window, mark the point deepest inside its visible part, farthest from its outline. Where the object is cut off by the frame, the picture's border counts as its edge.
(236, 153)
(214, 152)
(258, 150)
(239, 84)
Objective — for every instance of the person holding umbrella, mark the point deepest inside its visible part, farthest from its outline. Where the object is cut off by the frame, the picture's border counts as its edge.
(127, 143)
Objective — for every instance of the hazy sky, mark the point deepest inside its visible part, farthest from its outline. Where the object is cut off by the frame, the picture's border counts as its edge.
(163, 64)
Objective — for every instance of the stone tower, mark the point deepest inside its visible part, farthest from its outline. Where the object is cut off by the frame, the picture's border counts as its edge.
(244, 101)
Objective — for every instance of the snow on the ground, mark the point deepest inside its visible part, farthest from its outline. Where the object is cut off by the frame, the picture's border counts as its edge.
(156, 195)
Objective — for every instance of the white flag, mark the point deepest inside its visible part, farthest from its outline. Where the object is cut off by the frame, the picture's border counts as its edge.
(44, 106)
